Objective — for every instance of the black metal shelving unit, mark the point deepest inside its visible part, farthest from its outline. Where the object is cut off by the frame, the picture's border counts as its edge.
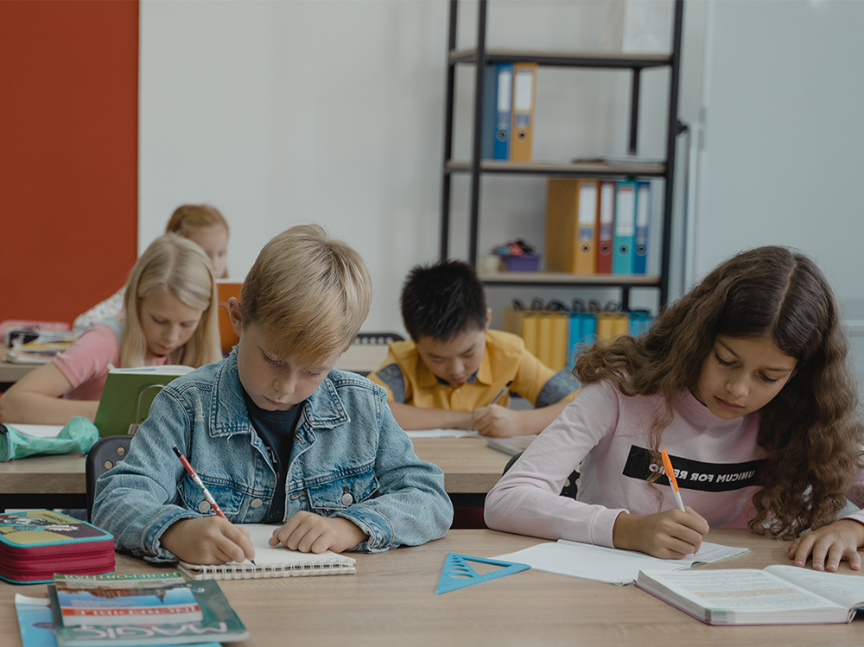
(480, 56)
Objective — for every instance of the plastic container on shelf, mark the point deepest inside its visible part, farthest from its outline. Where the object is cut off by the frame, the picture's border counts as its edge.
(522, 262)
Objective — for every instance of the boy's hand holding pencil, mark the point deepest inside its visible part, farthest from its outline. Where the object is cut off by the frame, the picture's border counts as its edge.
(495, 421)
(207, 540)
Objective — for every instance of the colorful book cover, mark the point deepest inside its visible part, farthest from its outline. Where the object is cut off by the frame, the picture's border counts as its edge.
(125, 599)
(37, 627)
(220, 623)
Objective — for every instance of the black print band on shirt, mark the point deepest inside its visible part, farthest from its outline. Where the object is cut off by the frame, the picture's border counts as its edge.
(694, 475)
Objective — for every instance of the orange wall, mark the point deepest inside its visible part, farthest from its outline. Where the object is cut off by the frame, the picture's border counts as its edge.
(68, 154)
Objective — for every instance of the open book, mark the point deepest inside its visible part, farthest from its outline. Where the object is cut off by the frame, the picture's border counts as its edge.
(128, 394)
(612, 565)
(778, 595)
(272, 561)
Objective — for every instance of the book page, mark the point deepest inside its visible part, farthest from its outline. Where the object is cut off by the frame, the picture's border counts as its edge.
(611, 565)
(442, 433)
(740, 590)
(845, 590)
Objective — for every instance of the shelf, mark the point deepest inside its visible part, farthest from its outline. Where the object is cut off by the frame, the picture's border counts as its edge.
(577, 165)
(565, 279)
(617, 60)
(573, 169)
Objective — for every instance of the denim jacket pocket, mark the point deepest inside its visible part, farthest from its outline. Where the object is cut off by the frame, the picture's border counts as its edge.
(237, 504)
(330, 495)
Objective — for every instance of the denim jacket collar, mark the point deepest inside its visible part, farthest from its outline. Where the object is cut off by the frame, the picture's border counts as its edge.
(228, 416)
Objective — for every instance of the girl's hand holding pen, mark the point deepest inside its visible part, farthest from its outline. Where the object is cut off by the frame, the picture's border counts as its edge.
(671, 534)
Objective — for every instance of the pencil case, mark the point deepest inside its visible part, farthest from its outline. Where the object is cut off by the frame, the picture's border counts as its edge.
(78, 435)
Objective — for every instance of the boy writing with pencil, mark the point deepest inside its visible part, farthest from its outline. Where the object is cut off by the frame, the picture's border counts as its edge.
(455, 373)
(274, 433)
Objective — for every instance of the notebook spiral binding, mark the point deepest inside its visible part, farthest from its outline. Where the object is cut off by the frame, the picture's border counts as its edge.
(266, 571)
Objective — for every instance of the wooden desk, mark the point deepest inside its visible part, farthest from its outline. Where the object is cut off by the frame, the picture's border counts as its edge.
(470, 470)
(470, 467)
(43, 482)
(391, 601)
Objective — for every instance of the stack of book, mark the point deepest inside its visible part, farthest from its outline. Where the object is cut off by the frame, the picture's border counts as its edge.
(138, 609)
(41, 349)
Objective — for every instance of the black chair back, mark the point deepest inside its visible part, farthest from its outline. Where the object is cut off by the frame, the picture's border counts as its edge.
(104, 455)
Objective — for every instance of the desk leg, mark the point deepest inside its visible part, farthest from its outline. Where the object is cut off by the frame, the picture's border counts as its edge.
(468, 510)
(467, 500)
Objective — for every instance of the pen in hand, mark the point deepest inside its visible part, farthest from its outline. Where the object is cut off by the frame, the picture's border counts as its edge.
(496, 398)
(197, 479)
(500, 393)
(670, 474)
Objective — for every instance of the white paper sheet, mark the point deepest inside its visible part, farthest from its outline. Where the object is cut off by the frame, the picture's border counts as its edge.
(609, 564)
(39, 431)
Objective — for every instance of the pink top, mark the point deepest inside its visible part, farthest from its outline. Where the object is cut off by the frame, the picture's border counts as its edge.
(86, 363)
(715, 460)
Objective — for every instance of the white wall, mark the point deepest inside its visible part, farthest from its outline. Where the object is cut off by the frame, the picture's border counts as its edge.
(332, 111)
(783, 138)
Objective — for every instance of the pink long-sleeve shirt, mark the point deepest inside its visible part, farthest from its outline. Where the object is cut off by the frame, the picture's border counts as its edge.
(716, 463)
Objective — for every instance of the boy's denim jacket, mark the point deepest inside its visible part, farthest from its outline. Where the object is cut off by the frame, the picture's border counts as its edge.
(349, 459)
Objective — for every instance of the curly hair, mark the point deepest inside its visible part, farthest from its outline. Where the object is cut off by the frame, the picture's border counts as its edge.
(810, 430)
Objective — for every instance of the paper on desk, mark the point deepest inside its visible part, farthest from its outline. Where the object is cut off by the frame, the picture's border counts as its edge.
(39, 431)
(610, 565)
(442, 433)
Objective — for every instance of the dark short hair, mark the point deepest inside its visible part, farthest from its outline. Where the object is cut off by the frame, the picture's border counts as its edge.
(442, 300)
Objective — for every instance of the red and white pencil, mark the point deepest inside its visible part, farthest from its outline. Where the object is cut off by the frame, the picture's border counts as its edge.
(191, 471)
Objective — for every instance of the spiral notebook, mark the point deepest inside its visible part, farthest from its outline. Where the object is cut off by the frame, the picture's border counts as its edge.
(272, 561)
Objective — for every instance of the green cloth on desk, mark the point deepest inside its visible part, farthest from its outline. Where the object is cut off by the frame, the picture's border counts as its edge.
(78, 435)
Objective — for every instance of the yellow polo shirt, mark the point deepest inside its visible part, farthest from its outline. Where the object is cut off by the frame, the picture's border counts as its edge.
(506, 361)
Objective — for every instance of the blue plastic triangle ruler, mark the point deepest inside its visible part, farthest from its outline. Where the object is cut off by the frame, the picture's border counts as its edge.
(458, 573)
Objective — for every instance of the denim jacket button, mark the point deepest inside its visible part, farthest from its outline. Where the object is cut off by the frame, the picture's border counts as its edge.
(256, 503)
(347, 499)
(203, 507)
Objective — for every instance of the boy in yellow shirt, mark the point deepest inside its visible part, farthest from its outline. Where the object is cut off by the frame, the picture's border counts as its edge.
(453, 371)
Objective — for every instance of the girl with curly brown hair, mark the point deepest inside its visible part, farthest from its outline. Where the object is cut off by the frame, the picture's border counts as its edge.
(745, 381)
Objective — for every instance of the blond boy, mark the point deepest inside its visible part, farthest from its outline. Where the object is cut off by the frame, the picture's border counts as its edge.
(276, 434)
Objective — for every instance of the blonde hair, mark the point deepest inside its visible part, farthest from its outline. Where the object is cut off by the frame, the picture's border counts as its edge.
(309, 293)
(194, 216)
(180, 268)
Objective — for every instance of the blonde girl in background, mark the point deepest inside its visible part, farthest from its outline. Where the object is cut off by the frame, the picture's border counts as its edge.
(200, 223)
(170, 317)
